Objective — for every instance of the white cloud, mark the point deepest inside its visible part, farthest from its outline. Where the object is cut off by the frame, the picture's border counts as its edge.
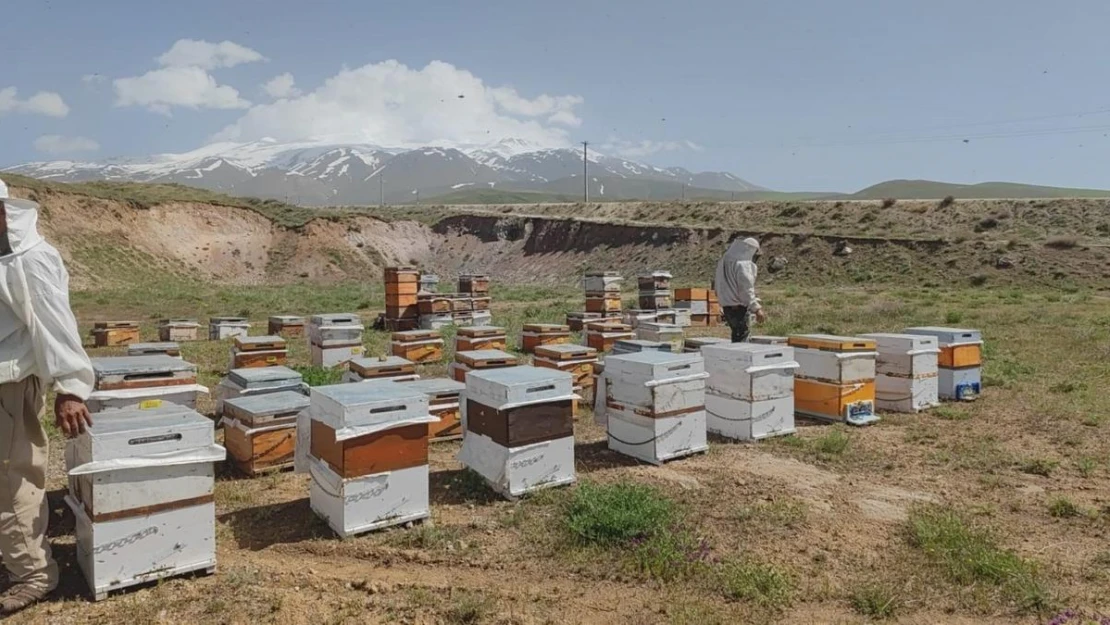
(281, 86)
(190, 87)
(57, 144)
(646, 147)
(93, 79)
(42, 103)
(393, 105)
(206, 55)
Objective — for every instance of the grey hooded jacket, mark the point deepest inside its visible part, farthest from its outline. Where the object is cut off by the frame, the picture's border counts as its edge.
(736, 274)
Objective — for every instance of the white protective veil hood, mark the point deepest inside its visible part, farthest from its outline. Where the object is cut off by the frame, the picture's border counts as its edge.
(736, 274)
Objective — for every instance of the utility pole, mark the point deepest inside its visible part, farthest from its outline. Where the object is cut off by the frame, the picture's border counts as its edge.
(683, 190)
(381, 188)
(585, 174)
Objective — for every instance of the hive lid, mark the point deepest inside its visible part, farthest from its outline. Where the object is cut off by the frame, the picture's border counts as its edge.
(831, 342)
(269, 404)
(657, 362)
(949, 336)
(371, 365)
(480, 356)
(435, 386)
(480, 331)
(415, 335)
(139, 349)
(702, 341)
(111, 325)
(545, 327)
(337, 319)
(222, 320)
(263, 377)
(182, 322)
(660, 327)
(138, 365)
(289, 320)
(355, 407)
(121, 439)
(905, 343)
(565, 351)
(249, 343)
(640, 345)
(656, 274)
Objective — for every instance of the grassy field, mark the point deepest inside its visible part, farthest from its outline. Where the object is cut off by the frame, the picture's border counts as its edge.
(989, 512)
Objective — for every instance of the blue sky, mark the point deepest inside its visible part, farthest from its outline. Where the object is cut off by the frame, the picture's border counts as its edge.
(794, 95)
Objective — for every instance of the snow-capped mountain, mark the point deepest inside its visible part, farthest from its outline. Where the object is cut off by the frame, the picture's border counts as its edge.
(327, 173)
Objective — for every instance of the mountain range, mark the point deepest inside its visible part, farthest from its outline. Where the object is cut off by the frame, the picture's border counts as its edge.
(314, 174)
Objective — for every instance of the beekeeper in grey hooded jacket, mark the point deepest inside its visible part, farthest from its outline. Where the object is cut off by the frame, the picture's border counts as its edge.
(40, 348)
(735, 286)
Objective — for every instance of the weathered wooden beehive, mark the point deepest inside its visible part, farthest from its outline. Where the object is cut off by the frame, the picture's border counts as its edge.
(258, 351)
(474, 338)
(419, 346)
(480, 360)
(666, 333)
(906, 377)
(222, 328)
(392, 368)
(260, 431)
(749, 394)
(286, 326)
(167, 348)
(115, 333)
(179, 330)
(143, 382)
(603, 335)
(535, 334)
(259, 381)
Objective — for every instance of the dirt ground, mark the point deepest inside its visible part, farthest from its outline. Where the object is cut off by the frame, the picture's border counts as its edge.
(829, 509)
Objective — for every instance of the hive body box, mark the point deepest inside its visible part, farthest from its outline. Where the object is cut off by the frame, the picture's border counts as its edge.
(750, 391)
(167, 348)
(577, 321)
(960, 361)
(536, 334)
(633, 346)
(667, 333)
(260, 431)
(695, 343)
(906, 372)
(368, 455)
(444, 398)
(222, 328)
(286, 326)
(114, 333)
(480, 360)
(576, 360)
(334, 339)
(258, 351)
(401, 287)
(655, 405)
(475, 338)
(603, 335)
(179, 330)
(143, 382)
(141, 488)
(519, 428)
(602, 282)
(474, 283)
(393, 368)
(250, 382)
(835, 380)
(419, 346)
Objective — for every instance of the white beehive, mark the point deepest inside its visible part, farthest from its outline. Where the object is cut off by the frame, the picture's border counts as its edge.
(141, 487)
(655, 405)
(602, 282)
(221, 328)
(143, 382)
(750, 390)
(683, 318)
(906, 372)
(835, 367)
(357, 505)
(960, 384)
(164, 348)
(667, 333)
(257, 381)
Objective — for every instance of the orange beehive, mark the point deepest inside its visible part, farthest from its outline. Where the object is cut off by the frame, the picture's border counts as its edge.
(419, 346)
(827, 401)
(114, 333)
(604, 304)
(960, 355)
(474, 338)
(536, 334)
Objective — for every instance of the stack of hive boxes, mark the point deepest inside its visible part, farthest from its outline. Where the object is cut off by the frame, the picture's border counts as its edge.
(251, 382)
(750, 391)
(603, 293)
(519, 428)
(473, 302)
(435, 311)
(905, 372)
(603, 335)
(179, 330)
(438, 311)
(479, 360)
(222, 328)
(474, 338)
(655, 291)
(258, 351)
(419, 346)
(334, 339)
(401, 308)
(655, 405)
(960, 362)
(576, 360)
(391, 368)
(153, 349)
(835, 380)
(144, 382)
(666, 333)
(260, 431)
(443, 404)
(704, 310)
(367, 454)
(285, 326)
(115, 333)
(534, 335)
(141, 488)
(429, 283)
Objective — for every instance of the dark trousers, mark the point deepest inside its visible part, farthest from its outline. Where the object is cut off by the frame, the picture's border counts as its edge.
(737, 318)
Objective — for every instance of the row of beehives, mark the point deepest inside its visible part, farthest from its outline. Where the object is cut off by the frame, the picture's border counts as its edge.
(412, 301)
(179, 330)
(685, 307)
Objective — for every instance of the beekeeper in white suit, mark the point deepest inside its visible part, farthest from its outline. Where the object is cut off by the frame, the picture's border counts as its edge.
(39, 346)
(735, 286)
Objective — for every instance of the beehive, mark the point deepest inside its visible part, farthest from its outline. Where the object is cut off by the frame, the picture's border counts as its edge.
(906, 377)
(480, 360)
(260, 431)
(636, 316)
(655, 300)
(334, 339)
(694, 344)
(286, 326)
(401, 287)
(258, 351)
(750, 390)
(114, 333)
(666, 333)
(474, 284)
(519, 428)
(141, 487)
(143, 382)
(222, 328)
(603, 304)
(261, 381)
(179, 330)
(682, 318)
(655, 405)
(654, 281)
(153, 349)
(768, 340)
(368, 455)
(633, 346)
(602, 282)
(603, 335)
(392, 368)
(443, 404)
(431, 322)
(960, 361)
(835, 380)
(576, 360)
(474, 338)
(434, 305)
(419, 346)
(429, 282)
(577, 321)
(536, 334)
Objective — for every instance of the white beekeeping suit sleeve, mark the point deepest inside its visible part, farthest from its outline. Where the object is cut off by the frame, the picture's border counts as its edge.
(62, 358)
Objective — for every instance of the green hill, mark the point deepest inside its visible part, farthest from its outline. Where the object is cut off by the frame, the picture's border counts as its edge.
(930, 190)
